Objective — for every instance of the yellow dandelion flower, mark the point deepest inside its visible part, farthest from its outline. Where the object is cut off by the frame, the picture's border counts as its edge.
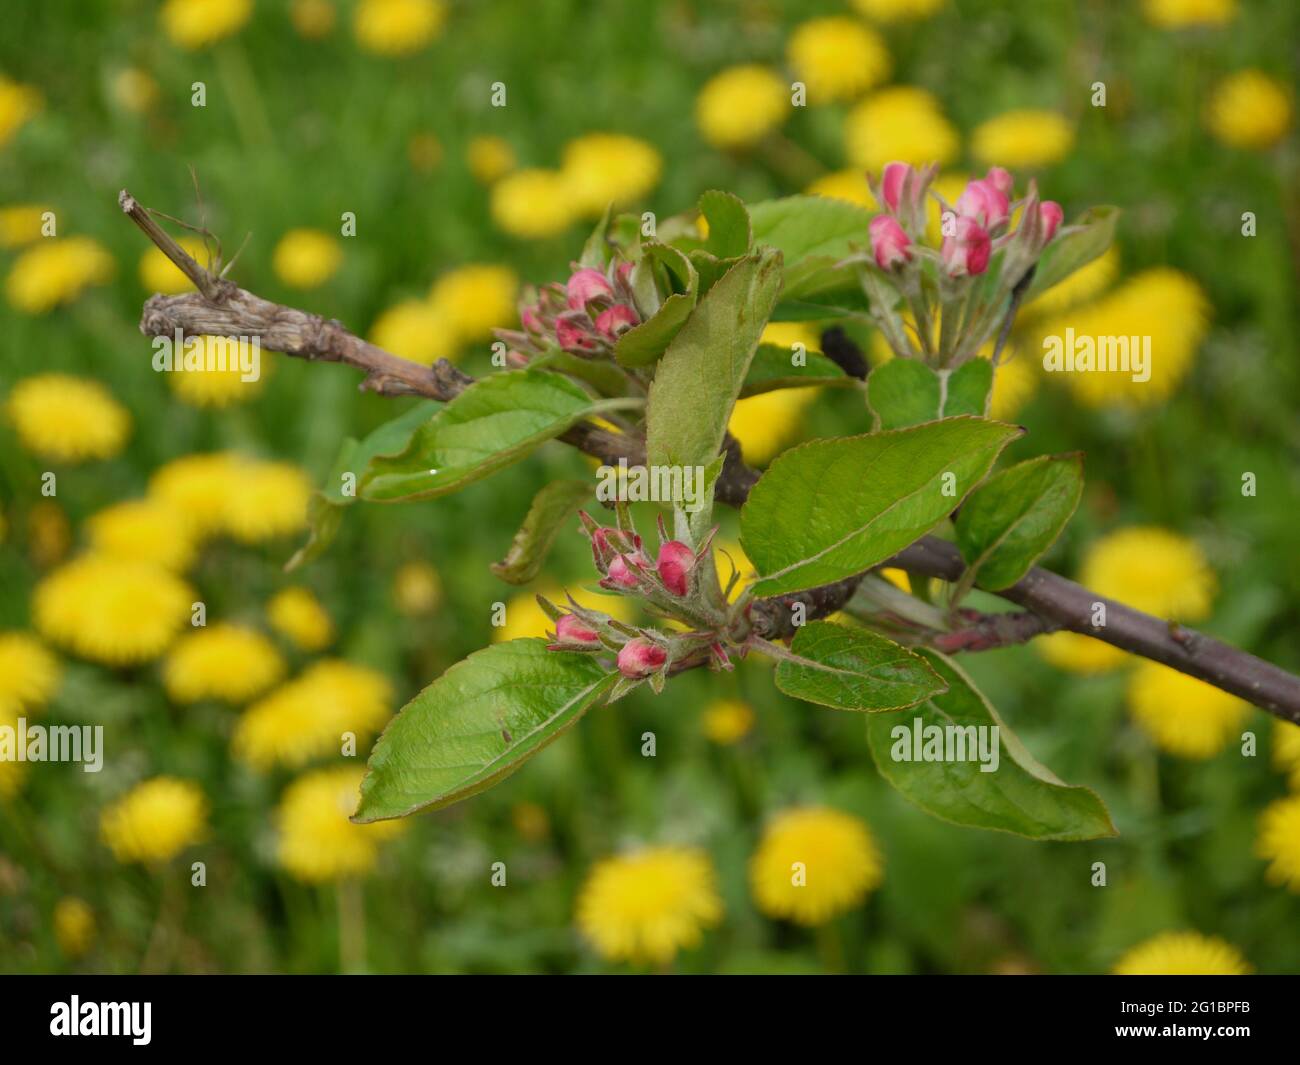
(134, 90)
(306, 258)
(217, 372)
(198, 23)
(848, 185)
(813, 864)
(1162, 304)
(29, 672)
(159, 274)
(525, 618)
(740, 106)
(1082, 285)
(417, 589)
(604, 168)
(415, 331)
(22, 223)
(530, 821)
(897, 10)
(67, 419)
(765, 423)
(900, 123)
(1014, 383)
(838, 58)
(54, 272)
(222, 661)
(142, 530)
(1023, 139)
(1286, 750)
(198, 487)
(1182, 954)
(788, 334)
(1184, 716)
(1152, 569)
(307, 717)
(12, 773)
(648, 905)
(317, 843)
(1249, 110)
(49, 533)
(298, 616)
(313, 19)
(727, 721)
(490, 158)
(1176, 14)
(155, 820)
(112, 611)
(74, 926)
(18, 105)
(1279, 841)
(271, 502)
(532, 204)
(475, 299)
(1076, 653)
(398, 27)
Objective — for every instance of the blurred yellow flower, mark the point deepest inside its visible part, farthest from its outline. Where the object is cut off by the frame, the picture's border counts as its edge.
(1182, 954)
(306, 258)
(1175, 14)
(1083, 284)
(727, 721)
(142, 530)
(1279, 841)
(307, 717)
(67, 419)
(729, 556)
(1286, 751)
(1076, 653)
(813, 864)
(648, 905)
(134, 90)
(398, 27)
(199, 487)
(475, 299)
(18, 105)
(21, 223)
(604, 168)
(525, 618)
(417, 589)
(313, 19)
(111, 611)
(56, 271)
(1249, 109)
(317, 842)
(1023, 139)
(49, 533)
(1151, 569)
(298, 616)
(222, 661)
(741, 105)
(847, 185)
(155, 820)
(490, 158)
(159, 274)
(532, 204)
(218, 372)
(415, 331)
(765, 423)
(29, 672)
(901, 123)
(788, 334)
(271, 501)
(897, 10)
(74, 926)
(1184, 716)
(198, 23)
(12, 773)
(837, 57)
(1014, 383)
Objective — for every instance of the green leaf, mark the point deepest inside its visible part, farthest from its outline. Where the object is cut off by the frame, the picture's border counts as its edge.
(1016, 515)
(596, 251)
(1021, 796)
(816, 307)
(772, 369)
(852, 669)
(730, 233)
(813, 233)
(832, 508)
(700, 375)
(550, 509)
(903, 392)
(968, 389)
(494, 423)
(1068, 253)
(476, 724)
(661, 266)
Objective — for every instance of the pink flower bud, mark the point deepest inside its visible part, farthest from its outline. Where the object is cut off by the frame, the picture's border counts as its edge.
(985, 203)
(614, 321)
(624, 271)
(570, 630)
(639, 658)
(676, 561)
(1051, 215)
(586, 284)
(892, 179)
(621, 573)
(967, 251)
(1000, 179)
(530, 319)
(889, 242)
(573, 334)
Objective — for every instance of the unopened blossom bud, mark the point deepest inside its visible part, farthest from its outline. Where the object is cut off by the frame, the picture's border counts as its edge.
(676, 561)
(889, 243)
(573, 333)
(984, 202)
(621, 573)
(892, 179)
(967, 251)
(1049, 211)
(1000, 179)
(570, 630)
(531, 319)
(614, 321)
(585, 285)
(639, 658)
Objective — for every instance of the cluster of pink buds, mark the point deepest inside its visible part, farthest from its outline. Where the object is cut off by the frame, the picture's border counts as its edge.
(584, 316)
(621, 559)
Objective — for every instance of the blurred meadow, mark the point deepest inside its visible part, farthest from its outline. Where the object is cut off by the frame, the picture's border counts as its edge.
(221, 741)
